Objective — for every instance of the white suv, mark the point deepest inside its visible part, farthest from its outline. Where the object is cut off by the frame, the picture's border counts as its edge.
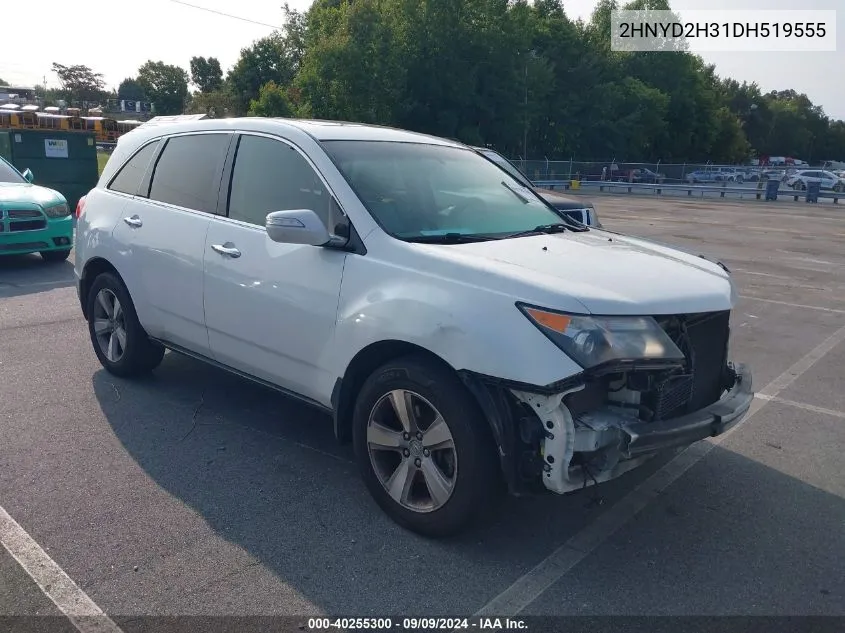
(461, 333)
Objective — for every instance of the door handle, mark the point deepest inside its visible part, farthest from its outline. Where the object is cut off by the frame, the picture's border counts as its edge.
(225, 249)
(134, 221)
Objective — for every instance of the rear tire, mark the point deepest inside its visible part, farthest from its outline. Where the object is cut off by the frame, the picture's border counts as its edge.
(120, 342)
(441, 479)
(52, 257)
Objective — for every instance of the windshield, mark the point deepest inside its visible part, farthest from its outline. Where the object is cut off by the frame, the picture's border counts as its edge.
(416, 190)
(9, 173)
(509, 167)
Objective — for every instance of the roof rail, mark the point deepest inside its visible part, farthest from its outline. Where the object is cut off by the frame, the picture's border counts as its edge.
(174, 118)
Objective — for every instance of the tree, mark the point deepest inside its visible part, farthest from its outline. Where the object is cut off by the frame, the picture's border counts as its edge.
(80, 84)
(272, 101)
(269, 59)
(165, 85)
(131, 90)
(206, 73)
(517, 75)
(218, 104)
(3, 82)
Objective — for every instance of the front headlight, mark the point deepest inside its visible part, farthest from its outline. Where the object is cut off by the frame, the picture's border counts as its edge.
(595, 340)
(57, 210)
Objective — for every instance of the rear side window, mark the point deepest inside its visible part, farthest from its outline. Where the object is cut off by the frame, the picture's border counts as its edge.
(129, 178)
(188, 172)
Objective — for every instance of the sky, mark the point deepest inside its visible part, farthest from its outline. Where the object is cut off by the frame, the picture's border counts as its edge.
(169, 31)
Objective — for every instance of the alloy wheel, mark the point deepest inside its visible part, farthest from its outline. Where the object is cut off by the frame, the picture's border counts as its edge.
(109, 325)
(412, 451)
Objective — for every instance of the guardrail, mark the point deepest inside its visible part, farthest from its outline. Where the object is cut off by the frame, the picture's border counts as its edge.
(658, 189)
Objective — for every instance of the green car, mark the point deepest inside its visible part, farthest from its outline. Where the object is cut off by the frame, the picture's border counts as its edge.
(33, 219)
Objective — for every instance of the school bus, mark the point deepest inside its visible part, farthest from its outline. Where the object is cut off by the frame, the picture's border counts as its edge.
(106, 129)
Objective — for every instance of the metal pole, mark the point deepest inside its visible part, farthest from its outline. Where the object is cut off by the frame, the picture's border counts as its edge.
(525, 130)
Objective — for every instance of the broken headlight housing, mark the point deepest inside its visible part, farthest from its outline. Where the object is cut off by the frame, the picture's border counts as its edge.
(596, 340)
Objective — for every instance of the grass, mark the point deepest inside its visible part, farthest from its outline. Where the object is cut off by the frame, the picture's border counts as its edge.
(102, 159)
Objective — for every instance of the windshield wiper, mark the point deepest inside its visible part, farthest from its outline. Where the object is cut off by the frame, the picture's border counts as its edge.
(516, 193)
(546, 229)
(447, 238)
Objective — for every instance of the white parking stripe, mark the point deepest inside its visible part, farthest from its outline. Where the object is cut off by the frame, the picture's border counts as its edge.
(530, 586)
(803, 405)
(52, 580)
(793, 305)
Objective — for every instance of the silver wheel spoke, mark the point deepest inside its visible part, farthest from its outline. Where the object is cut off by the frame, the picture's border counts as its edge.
(104, 303)
(438, 436)
(401, 401)
(120, 333)
(102, 326)
(118, 310)
(112, 353)
(438, 486)
(399, 484)
(379, 436)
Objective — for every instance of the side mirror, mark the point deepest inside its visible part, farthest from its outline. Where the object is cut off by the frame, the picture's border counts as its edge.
(298, 226)
(28, 175)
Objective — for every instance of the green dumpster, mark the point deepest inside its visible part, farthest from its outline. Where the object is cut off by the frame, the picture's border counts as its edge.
(62, 160)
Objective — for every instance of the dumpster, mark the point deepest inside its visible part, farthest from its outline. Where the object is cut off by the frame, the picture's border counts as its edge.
(63, 160)
(813, 189)
(772, 186)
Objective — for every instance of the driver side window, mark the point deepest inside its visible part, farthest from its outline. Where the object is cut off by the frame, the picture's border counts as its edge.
(270, 175)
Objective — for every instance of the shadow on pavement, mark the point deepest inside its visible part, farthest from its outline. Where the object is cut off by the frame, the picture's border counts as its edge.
(265, 472)
(29, 274)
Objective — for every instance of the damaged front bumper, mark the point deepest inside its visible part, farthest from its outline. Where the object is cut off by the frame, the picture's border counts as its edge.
(568, 452)
(601, 445)
(649, 437)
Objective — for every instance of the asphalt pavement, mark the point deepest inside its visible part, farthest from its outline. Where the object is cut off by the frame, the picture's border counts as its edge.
(193, 492)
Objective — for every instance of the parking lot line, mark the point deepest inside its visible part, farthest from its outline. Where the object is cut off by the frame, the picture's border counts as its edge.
(793, 305)
(803, 405)
(550, 570)
(74, 603)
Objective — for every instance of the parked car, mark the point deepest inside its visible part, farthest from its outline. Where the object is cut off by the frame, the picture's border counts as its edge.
(579, 210)
(460, 332)
(33, 219)
(828, 180)
(640, 174)
(755, 174)
(716, 174)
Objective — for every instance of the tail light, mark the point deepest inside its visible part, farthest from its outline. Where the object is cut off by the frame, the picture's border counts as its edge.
(80, 206)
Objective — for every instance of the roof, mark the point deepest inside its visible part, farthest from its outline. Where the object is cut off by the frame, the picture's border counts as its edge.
(319, 130)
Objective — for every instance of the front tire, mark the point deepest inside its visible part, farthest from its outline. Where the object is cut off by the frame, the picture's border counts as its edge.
(120, 342)
(54, 257)
(423, 447)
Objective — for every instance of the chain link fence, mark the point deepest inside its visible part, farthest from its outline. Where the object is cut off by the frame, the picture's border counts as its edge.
(658, 172)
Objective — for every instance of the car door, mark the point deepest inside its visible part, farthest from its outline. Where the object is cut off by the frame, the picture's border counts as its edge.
(827, 180)
(165, 227)
(271, 308)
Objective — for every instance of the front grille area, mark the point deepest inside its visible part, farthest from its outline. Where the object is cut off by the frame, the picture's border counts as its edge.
(703, 338)
(27, 225)
(708, 337)
(33, 246)
(16, 214)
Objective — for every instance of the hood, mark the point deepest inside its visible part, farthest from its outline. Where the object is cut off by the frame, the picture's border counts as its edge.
(13, 192)
(562, 202)
(606, 273)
